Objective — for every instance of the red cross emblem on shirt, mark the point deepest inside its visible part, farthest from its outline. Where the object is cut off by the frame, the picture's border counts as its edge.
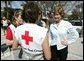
(27, 38)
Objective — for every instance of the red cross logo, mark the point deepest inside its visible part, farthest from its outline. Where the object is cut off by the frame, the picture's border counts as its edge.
(27, 38)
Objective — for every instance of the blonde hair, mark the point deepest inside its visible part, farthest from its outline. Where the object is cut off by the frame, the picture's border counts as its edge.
(16, 15)
(59, 10)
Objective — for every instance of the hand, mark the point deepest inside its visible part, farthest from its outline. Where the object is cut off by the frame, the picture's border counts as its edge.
(65, 42)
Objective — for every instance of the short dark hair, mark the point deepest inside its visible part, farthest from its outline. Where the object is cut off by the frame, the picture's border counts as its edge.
(30, 12)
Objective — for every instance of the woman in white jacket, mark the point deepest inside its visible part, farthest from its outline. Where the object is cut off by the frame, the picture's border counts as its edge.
(61, 35)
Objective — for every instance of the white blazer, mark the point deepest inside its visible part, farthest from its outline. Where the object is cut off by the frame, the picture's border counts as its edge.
(63, 30)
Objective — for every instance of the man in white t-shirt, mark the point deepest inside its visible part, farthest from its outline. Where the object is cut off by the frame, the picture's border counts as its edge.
(32, 37)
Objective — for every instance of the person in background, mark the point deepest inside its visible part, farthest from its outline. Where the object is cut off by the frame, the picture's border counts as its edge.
(61, 35)
(41, 22)
(16, 21)
(51, 18)
(5, 24)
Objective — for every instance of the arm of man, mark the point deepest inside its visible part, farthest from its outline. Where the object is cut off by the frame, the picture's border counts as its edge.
(9, 42)
(46, 48)
(15, 44)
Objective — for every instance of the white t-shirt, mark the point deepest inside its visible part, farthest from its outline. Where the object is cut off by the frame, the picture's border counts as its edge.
(31, 37)
(4, 22)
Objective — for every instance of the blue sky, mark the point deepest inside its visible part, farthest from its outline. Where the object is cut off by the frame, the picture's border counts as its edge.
(15, 4)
